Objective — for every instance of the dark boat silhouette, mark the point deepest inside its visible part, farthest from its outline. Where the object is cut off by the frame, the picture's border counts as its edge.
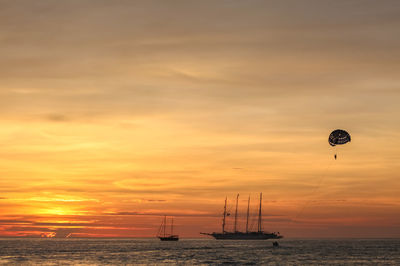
(162, 231)
(248, 235)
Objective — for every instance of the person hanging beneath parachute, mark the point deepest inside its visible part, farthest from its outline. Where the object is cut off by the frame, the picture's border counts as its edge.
(338, 137)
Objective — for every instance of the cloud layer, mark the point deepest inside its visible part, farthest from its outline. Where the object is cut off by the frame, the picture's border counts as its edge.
(158, 107)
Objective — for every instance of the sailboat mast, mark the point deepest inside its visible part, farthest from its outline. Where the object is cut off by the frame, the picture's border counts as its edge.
(165, 223)
(247, 220)
(223, 221)
(237, 199)
(259, 215)
(172, 226)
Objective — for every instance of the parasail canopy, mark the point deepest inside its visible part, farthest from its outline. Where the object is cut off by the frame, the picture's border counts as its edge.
(339, 137)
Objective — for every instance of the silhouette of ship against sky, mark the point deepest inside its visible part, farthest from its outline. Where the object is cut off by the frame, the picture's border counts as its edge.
(162, 231)
(247, 235)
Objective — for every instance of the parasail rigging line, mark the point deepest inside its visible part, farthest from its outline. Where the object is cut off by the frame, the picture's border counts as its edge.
(314, 191)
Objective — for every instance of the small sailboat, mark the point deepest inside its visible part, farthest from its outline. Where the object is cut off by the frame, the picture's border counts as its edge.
(162, 231)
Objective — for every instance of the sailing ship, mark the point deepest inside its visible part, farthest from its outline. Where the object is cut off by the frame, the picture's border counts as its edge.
(248, 235)
(162, 231)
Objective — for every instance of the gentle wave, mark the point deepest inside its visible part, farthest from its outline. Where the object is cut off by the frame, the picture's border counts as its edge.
(198, 252)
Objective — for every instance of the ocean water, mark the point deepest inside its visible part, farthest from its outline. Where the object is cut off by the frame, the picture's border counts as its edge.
(198, 252)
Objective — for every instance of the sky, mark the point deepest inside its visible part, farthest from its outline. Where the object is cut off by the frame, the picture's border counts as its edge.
(116, 113)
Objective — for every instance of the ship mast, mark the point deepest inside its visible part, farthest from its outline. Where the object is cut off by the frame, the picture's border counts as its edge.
(237, 199)
(247, 220)
(259, 216)
(223, 221)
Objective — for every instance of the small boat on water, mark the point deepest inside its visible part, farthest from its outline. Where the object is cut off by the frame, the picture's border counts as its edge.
(162, 231)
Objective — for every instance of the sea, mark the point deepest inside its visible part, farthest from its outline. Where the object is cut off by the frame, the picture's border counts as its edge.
(74, 251)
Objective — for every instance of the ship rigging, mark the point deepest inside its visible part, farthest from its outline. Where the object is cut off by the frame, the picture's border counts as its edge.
(247, 235)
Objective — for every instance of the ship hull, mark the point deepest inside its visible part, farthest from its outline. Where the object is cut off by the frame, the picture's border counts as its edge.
(169, 238)
(245, 236)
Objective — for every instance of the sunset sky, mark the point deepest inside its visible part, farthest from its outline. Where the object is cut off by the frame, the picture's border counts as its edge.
(114, 113)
